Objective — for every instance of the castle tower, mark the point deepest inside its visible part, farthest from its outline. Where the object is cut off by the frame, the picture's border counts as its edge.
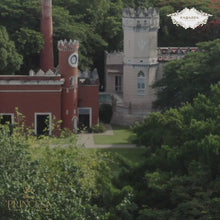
(140, 58)
(47, 58)
(68, 68)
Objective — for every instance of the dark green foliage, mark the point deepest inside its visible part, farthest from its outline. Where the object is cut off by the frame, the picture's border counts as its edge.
(29, 43)
(105, 113)
(10, 60)
(96, 24)
(185, 78)
(180, 175)
(172, 35)
(22, 20)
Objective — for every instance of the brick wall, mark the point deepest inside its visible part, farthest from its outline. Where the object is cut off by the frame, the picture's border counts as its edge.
(89, 97)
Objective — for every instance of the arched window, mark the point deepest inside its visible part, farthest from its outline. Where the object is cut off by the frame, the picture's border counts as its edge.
(141, 83)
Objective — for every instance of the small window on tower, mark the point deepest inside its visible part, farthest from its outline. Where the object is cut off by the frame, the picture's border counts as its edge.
(141, 83)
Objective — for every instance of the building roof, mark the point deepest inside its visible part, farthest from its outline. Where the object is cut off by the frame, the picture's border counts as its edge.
(38, 78)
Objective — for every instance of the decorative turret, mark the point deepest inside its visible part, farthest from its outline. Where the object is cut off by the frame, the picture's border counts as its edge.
(72, 46)
(141, 19)
(68, 68)
(47, 57)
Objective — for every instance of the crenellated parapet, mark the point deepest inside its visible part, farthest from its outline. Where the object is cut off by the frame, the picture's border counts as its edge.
(40, 72)
(140, 12)
(141, 18)
(72, 46)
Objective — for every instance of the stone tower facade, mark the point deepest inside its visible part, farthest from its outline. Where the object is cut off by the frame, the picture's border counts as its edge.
(140, 58)
(130, 74)
(47, 57)
(68, 68)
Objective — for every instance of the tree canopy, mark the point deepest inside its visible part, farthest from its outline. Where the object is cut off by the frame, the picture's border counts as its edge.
(183, 79)
(96, 24)
(180, 175)
(10, 60)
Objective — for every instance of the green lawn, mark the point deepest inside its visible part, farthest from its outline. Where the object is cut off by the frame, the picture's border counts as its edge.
(121, 135)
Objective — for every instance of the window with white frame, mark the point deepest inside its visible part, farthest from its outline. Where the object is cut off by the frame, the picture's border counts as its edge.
(141, 83)
(6, 118)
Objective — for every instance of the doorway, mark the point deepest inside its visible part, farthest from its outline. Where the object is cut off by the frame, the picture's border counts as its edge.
(85, 118)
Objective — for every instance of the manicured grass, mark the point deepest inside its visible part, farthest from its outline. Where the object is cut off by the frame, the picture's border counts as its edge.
(121, 135)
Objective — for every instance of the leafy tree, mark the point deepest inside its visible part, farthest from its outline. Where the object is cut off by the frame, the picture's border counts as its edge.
(96, 24)
(10, 59)
(29, 43)
(183, 79)
(22, 20)
(180, 175)
(75, 183)
(68, 181)
(171, 35)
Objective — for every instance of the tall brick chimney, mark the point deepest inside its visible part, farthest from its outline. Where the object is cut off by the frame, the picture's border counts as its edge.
(68, 68)
(47, 58)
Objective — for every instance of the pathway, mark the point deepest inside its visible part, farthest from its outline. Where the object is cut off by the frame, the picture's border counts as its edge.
(87, 140)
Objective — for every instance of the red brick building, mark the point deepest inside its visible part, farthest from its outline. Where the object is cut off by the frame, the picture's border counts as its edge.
(60, 95)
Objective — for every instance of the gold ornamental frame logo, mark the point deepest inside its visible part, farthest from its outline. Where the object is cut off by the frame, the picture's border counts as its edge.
(29, 203)
(189, 18)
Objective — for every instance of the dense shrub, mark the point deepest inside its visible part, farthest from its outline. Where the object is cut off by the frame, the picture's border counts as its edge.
(99, 128)
(181, 170)
(63, 178)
